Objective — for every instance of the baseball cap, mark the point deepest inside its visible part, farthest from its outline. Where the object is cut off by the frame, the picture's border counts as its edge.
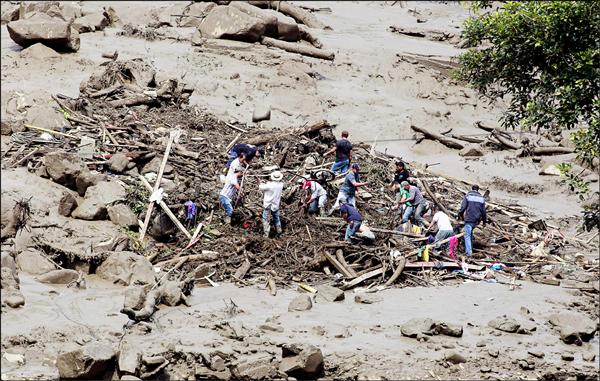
(355, 166)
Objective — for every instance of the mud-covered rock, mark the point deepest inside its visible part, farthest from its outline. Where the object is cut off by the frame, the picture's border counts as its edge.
(261, 112)
(64, 167)
(170, 293)
(97, 198)
(153, 166)
(329, 293)
(471, 150)
(449, 329)
(67, 204)
(118, 162)
(301, 361)
(574, 328)
(89, 361)
(126, 268)
(270, 20)
(33, 262)
(367, 298)
(129, 358)
(161, 226)
(40, 52)
(254, 367)
(9, 285)
(134, 297)
(287, 28)
(63, 276)
(91, 22)
(300, 303)
(8, 261)
(505, 323)
(194, 13)
(231, 23)
(52, 32)
(122, 215)
(87, 179)
(44, 114)
(417, 326)
(454, 357)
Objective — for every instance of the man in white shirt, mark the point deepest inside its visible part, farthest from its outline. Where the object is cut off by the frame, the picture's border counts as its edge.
(444, 226)
(271, 200)
(229, 192)
(316, 196)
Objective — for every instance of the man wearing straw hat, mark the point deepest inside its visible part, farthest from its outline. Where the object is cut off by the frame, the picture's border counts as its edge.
(272, 197)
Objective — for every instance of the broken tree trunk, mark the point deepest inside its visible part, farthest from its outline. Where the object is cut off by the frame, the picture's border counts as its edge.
(541, 151)
(265, 138)
(131, 101)
(447, 141)
(297, 13)
(306, 35)
(298, 48)
(339, 253)
(504, 141)
(340, 267)
(242, 270)
(398, 271)
(363, 277)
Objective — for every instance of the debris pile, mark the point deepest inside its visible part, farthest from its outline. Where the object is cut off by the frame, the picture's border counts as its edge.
(129, 119)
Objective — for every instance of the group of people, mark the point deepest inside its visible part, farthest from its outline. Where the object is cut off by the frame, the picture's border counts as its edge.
(408, 197)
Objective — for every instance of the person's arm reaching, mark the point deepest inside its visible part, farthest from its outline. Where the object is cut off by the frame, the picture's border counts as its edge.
(463, 207)
(350, 154)
(332, 150)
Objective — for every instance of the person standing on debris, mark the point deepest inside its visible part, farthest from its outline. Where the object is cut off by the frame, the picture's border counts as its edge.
(444, 226)
(418, 204)
(401, 175)
(347, 193)
(271, 200)
(353, 218)
(343, 154)
(230, 191)
(472, 211)
(248, 151)
(316, 196)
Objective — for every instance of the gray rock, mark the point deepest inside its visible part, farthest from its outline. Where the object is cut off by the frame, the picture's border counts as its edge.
(153, 166)
(134, 297)
(471, 151)
(454, 357)
(171, 293)
(118, 162)
(231, 23)
(64, 168)
(43, 114)
(67, 204)
(33, 262)
(504, 323)
(194, 14)
(448, 329)
(14, 300)
(536, 353)
(300, 303)
(52, 32)
(197, 39)
(307, 363)
(329, 293)
(41, 52)
(10, 12)
(417, 326)
(129, 358)
(261, 112)
(91, 22)
(567, 356)
(63, 276)
(8, 262)
(87, 179)
(129, 377)
(588, 356)
(97, 198)
(126, 268)
(161, 226)
(493, 352)
(574, 328)
(90, 361)
(367, 298)
(254, 367)
(6, 128)
(122, 215)
(287, 28)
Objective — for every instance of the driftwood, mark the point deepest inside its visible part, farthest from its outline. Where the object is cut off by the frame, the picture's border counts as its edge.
(340, 257)
(538, 151)
(152, 299)
(242, 270)
(397, 272)
(131, 101)
(504, 141)
(298, 48)
(541, 151)
(447, 141)
(297, 13)
(265, 138)
(363, 277)
(341, 268)
(434, 198)
(306, 35)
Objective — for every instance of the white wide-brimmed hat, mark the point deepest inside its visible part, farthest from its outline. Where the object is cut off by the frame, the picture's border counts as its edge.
(276, 176)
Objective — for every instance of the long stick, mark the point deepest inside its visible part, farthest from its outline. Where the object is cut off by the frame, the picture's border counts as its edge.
(51, 131)
(157, 184)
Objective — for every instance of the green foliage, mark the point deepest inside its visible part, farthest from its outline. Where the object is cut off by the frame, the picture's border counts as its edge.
(544, 58)
(137, 197)
(574, 181)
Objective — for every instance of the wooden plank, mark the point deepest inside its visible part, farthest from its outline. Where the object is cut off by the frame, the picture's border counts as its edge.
(338, 265)
(339, 253)
(363, 277)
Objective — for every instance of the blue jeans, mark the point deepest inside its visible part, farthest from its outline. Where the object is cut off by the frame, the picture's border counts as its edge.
(468, 238)
(274, 214)
(341, 166)
(226, 203)
(352, 229)
(232, 157)
(419, 210)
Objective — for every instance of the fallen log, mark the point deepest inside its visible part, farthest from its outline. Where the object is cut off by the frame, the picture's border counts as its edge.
(340, 257)
(274, 136)
(363, 277)
(300, 15)
(447, 141)
(397, 272)
(504, 141)
(206, 255)
(467, 139)
(131, 101)
(541, 151)
(298, 48)
(242, 270)
(306, 35)
(343, 270)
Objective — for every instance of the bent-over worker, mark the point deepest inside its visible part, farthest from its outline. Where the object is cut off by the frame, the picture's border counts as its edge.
(444, 226)
(353, 218)
(316, 196)
(248, 151)
(418, 204)
(343, 154)
(229, 192)
(347, 193)
(472, 211)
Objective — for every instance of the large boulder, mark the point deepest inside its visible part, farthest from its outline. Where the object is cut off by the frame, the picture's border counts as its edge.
(300, 303)
(33, 262)
(9, 284)
(287, 29)
(8, 262)
(63, 276)
(505, 323)
(97, 199)
(231, 23)
(270, 20)
(194, 14)
(329, 293)
(574, 328)
(52, 32)
(89, 362)
(301, 361)
(126, 268)
(64, 167)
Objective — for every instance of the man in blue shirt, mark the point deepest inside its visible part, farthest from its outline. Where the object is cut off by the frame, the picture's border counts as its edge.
(248, 151)
(416, 204)
(353, 218)
(347, 191)
(472, 211)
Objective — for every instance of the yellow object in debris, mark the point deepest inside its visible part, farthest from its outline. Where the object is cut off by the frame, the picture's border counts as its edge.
(426, 254)
(416, 229)
(307, 288)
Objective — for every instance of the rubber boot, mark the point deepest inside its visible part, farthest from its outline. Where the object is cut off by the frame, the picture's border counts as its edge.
(266, 230)
(278, 227)
(323, 212)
